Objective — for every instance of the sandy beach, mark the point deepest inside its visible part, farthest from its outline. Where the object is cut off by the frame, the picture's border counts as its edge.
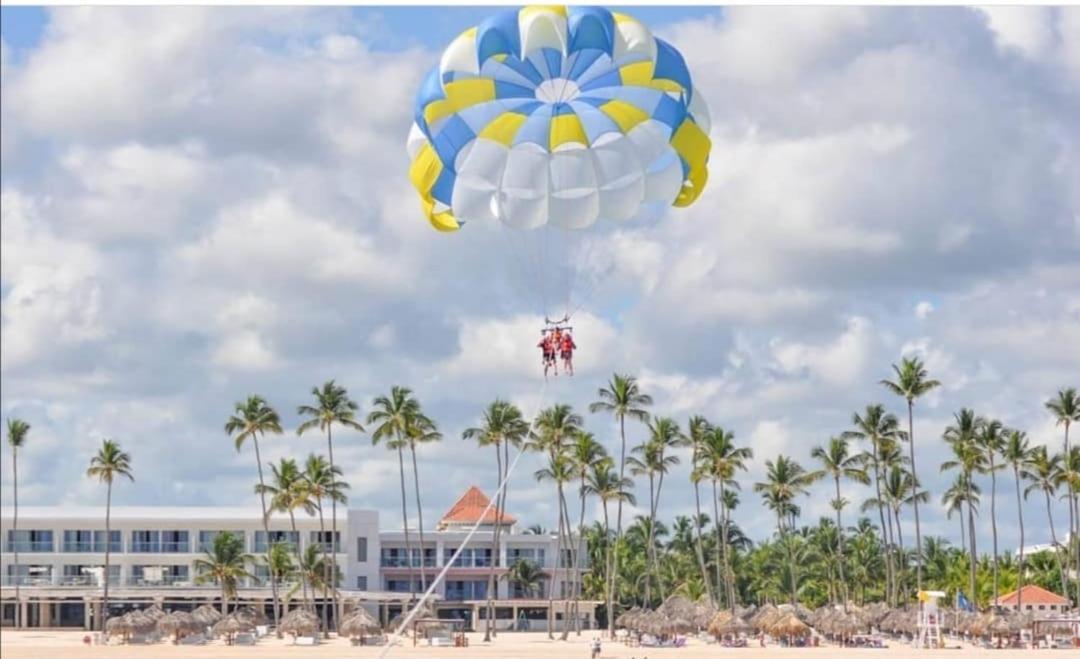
(48, 644)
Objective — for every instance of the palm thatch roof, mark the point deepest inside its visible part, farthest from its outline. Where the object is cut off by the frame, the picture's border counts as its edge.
(178, 623)
(723, 625)
(252, 615)
(424, 619)
(300, 622)
(704, 612)
(232, 624)
(119, 625)
(677, 606)
(360, 623)
(154, 611)
(765, 617)
(626, 619)
(206, 615)
(788, 624)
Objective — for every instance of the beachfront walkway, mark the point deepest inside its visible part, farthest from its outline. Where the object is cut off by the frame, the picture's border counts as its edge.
(68, 645)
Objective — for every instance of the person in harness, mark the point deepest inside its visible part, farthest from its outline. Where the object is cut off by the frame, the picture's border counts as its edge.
(547, 349)
(566, 351)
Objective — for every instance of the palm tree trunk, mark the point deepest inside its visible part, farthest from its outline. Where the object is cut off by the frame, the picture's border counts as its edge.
(993, 521)
(656, 559)
(577, 561)
(840, 544)
(333, 533)
(915, 484)
(1020, 513)
(899, 555)
(108, 528)
(15, 530)
(618, 513)
(699, 548)
(326, 577)
(419, 516)
(405, 524)
(1072, 515)
(224, 600)
(971, 544)
(490, 606)
(573, 552)
(555, 576)
(649, 542)
(886, 532)
(608, 576)
(1057, 554)
(719, 542)
(299, 559)
(729, 575)
(266, 530)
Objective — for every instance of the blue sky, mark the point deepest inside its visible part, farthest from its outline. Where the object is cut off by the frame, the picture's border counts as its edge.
(200, 203)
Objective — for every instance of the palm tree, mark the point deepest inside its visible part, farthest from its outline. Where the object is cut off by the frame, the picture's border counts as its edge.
(503, 425)
(1044, 472)
(785, 479)
(421, 430)
(17, 430)
(1066, 410)
(882, 430)
(622, 398)
(279, 562)
(912, 381)
(1016, 452)
(393, 417)
(969, 459)
(584, 454)
(323, 482)
(109, 463)
(225, 564)
(991, 439)
(559, 471)
(253, 418)
(837, 462)
(961, 493)
(311, 568)
(526, 575)
(696, 430)
(723, 459)
(604, 482)
(655, 462)
(332, 406)
(289, 492)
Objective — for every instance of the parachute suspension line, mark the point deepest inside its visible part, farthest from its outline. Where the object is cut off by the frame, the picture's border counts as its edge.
(472, 531)
(599, 280)
(569, 260)
(526, 268)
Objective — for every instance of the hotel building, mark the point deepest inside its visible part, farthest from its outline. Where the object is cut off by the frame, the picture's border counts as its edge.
(153, 553)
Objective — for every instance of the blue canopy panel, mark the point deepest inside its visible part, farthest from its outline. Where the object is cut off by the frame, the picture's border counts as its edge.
(499, 34)
(670, 65)
(591, 28)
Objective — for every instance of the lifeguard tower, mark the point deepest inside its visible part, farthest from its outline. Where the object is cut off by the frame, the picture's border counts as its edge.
(929, 633)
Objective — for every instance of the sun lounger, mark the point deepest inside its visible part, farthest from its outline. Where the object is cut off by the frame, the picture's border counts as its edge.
(245, 639)
(306, 640)
(193, 639)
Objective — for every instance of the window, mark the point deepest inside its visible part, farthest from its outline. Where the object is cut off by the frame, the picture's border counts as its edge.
(1042, 607)
(145, 542)
(361, 550)
(466, 590)
(361, 583)
(396, 557)
(30, 541)
(402, 585)
(321, 539)
(206, 538)
(536, 555)
(290, 537)
(175, 542)
(30, 575)
(469, 557)
(91, 542)
(89, 575)
(159, 574)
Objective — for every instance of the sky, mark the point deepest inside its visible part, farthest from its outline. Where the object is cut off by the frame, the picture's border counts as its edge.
(200, 204)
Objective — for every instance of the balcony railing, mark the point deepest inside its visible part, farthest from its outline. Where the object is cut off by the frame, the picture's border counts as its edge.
(31, 546)
(90, 547)
(401, 561)
(181, 547)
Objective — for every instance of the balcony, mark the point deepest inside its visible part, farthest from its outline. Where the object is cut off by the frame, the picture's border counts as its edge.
(89, 547)
(179, 547)
(30, 546)
(401, 561)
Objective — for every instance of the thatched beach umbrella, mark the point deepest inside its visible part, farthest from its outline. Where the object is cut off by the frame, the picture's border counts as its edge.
(206, 615)
(176, 625)
(626, 619)
(766, 618)
(142, 622)
(789, 625)
(300, 622)
(153, 611)
(704, 612)
(360, 623)
(250, 614)
(731, 627)
(120, 625)
(677, 606)
(425, 612)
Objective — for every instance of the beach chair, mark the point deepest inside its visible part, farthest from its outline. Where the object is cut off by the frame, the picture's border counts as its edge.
(193, 639)
(244, 639)
(306, 640)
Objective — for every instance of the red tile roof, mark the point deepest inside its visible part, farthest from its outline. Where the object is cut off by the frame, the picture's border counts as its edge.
(469, 507)
(1032, 595)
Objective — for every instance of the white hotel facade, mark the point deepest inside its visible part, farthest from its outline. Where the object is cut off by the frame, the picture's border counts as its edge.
(153, 552)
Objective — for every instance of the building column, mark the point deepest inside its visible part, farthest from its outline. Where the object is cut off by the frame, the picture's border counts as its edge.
(23, 610)
(514, 617)
(475, 617)
(87, 604)
(45, 614)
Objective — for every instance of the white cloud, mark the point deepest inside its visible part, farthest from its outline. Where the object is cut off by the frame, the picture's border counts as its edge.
(923, 310)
